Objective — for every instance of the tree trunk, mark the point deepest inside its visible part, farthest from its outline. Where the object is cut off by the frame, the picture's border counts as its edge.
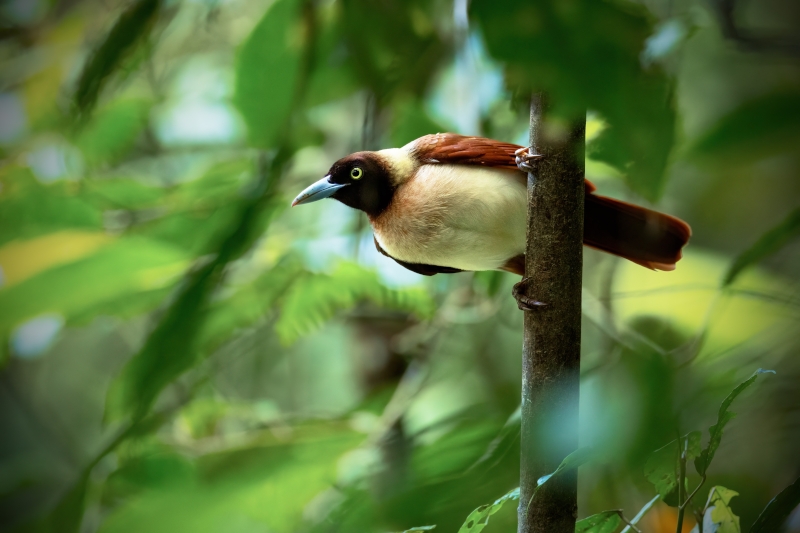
(552, 337)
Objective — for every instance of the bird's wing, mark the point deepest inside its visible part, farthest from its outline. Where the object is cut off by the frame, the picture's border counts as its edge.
(454, 149)
(425, 270)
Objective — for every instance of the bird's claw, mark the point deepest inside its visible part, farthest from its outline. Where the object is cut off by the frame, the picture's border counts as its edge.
(524, 158)
(524, 302)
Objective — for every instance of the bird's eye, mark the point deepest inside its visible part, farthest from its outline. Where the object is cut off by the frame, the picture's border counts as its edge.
(356, 173)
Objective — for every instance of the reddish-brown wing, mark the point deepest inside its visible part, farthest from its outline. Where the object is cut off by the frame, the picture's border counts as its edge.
(453, 149)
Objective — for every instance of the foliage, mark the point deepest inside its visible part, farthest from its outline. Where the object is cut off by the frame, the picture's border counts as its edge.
(662, 465)
(180, 351)
(131, 27)
(267, 72)
(605, 75)
(703, 461)
(718, 516)
(479, 518)
(769, 243)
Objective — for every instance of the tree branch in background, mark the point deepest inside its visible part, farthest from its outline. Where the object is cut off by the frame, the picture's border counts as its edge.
(552, 335)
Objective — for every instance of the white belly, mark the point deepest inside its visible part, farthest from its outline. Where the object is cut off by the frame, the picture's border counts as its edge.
(465, 217)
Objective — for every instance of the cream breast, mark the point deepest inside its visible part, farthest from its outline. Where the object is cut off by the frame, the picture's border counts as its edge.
(460, 216)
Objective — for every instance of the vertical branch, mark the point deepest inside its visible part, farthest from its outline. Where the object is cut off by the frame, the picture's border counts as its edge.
(552, 336)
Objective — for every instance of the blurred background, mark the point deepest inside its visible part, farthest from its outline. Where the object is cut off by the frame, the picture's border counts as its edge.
(180, 351)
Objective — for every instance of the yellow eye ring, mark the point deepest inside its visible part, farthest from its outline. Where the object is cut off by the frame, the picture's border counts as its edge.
(356, 173)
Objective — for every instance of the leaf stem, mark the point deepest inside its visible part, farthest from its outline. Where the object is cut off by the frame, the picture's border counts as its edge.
(689, 499)
(681, 483)
(628, 523)
(641, 513)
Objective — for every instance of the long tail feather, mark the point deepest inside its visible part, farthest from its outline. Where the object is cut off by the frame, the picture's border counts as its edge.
(646, 237)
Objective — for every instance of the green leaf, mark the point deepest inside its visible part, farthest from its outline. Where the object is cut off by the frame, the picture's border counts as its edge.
(333, 76)
(132, 26)
(769, 243)
(479, 518)
(605, 522)
(718, 516)
(570, 462)
(707, 455)
(267, 72)
(67, 515)
(317, 298)
(173, 346)
(420, 528)
(762, 127)
(113, 131)
(586, 54)
(778, 509)
(393, 45)
(115, 271)
(574, 460)
(662, 466)
(29, 208)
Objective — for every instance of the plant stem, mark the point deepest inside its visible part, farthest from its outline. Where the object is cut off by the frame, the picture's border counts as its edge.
(552, 334)
(641, 513)
(681, 484)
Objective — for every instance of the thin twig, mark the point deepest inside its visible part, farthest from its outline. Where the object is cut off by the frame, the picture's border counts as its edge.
(629, 524)
(681, 482)
(643, 511)
(689, 499)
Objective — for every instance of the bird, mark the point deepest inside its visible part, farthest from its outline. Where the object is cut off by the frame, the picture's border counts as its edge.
(447, 203)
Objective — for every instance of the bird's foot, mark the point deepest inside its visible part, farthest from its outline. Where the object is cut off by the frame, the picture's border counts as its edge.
(524, 158)
(524, 302)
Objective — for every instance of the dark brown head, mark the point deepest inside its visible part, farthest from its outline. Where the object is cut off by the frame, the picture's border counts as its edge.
(360, 180)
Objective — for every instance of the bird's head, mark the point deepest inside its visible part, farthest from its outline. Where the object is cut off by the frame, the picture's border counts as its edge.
(360, 180)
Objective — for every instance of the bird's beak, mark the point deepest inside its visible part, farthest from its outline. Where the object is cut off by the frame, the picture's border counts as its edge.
(317, 191)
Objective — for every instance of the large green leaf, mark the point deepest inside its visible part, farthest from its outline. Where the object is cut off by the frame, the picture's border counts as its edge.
(267, 72)
(762, 127)
(132, 26)
(769, 243)
(29, 208)
(778, 509)
(586, 54)
(317, 298)
(702, 462)
(116, 271)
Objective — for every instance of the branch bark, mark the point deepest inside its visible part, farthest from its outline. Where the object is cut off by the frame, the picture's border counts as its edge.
(552, 336)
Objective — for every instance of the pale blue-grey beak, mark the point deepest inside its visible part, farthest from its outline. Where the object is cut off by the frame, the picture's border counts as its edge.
(317, 191)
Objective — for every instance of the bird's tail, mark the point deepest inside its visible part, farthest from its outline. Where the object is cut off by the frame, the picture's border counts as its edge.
(648, 238)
